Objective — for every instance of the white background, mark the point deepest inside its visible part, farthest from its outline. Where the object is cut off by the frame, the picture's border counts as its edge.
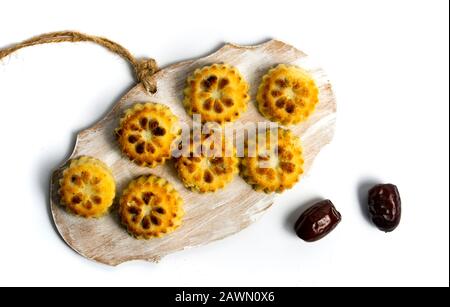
(388, 63)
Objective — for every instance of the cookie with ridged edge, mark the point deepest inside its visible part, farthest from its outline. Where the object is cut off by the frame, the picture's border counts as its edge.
(217, 92)
(287, 94)
(146, 133)
(275, 166)
(210, 169)
(150, 207)
(87, 187)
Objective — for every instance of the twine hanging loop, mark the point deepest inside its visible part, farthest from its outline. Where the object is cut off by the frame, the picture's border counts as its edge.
(143, 68)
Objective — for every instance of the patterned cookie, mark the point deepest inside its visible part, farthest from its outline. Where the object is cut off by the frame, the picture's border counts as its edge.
(146, 133)
(218, 93)
(287, 95)
(277, 165)
(150, 207)
(87, 187)
(209, 169)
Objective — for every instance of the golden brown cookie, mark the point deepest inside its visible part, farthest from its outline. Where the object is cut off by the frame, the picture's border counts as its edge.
(275, 166)
(209, 169)
(150, 207)
(287, 94)
(87, 187)
(146, 133)
(218, 93)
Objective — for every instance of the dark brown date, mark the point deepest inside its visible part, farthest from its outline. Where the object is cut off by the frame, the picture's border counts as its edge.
(385, 206)
(317, 221)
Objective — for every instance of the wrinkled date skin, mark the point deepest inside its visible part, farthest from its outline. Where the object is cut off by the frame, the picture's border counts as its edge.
(385, 206)
(317, 221)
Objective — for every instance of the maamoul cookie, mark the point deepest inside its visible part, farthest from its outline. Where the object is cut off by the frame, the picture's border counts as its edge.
(208, 171)
(277, 165)
(146, 133)
(287, 94)
(150, 207)
(218, 93)
(87, 187)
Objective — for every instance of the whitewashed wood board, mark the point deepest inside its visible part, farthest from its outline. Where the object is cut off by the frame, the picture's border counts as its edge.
(210, 216)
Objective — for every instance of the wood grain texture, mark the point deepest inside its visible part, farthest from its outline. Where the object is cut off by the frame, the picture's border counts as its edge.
(209, 217)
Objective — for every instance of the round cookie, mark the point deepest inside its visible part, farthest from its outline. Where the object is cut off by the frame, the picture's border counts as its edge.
(150, 207)
(218, 93)
(287, 94)
(146, 133)
(273, 167)
(87, 187)
(210, 169)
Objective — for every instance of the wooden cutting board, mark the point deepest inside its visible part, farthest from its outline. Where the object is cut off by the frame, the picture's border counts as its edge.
(211, 216)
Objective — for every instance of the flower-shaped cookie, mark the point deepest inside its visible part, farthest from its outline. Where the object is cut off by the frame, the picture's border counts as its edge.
(150, 207)
(146, 133)
(218, 93)
(287, 94)
(275, 165)
(87, 187)
(209, 165)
